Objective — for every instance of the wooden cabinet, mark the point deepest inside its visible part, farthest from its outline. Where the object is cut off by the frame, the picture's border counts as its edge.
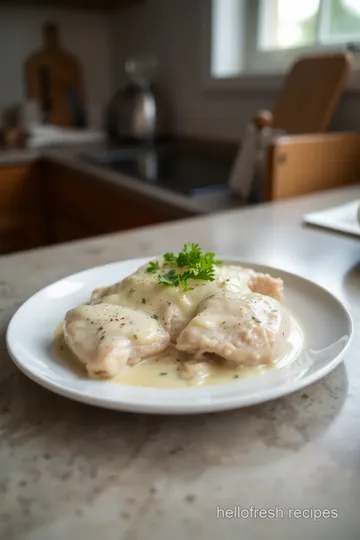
(21, 216)
(65, 228)
(80, 205)
(45, 203)
(77, 4)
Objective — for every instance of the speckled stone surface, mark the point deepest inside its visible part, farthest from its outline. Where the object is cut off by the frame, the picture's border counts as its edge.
(73, 471)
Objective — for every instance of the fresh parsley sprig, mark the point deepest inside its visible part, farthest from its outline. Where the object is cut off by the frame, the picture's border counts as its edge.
(199, 266)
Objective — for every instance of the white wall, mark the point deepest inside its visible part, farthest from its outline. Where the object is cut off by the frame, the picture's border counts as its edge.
(173, 30)
(84, 33)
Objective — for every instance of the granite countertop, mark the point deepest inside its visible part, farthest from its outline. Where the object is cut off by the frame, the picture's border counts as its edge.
(71, 157)
(69, 470)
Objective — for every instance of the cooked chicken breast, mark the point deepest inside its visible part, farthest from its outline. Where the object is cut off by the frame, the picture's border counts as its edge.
(172, 305)
(235, 316)
(106, 338)
(266, 285)
(245, 330)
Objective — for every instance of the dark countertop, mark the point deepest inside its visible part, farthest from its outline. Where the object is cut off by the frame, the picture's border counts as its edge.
(71, 157)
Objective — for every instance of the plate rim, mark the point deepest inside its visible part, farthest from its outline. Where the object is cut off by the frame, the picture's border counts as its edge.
(185, 408)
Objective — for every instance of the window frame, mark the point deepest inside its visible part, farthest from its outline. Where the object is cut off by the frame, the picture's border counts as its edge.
(330, 41)
(279, 60)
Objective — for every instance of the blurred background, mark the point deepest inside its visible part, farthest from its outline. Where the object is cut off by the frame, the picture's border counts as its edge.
(201, 46)
(186, 106)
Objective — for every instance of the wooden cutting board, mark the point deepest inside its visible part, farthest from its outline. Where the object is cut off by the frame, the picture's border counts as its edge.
(311, 93)
(54, 79)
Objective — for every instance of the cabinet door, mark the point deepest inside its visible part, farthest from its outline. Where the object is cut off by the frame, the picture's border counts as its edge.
(21, 218)
(95, 206)
(67, 228)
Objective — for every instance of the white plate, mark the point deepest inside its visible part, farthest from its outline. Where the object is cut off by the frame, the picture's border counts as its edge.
(344, 218)
(325, 322)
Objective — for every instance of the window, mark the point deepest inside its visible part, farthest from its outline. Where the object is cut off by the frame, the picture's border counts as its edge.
(259, 36)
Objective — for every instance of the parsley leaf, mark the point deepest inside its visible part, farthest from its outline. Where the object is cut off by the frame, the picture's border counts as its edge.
(170, 278)
(169, 257)
(183, 280)
(153, 267)
(206, 274)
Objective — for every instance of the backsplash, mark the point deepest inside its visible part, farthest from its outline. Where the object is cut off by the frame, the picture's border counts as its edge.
(84, 33)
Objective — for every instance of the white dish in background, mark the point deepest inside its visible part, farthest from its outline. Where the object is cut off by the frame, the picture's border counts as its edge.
(48, 136)
(344, 218)
(325, 323)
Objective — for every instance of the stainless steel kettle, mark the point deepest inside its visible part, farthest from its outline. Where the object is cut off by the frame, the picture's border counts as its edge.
(136, 111)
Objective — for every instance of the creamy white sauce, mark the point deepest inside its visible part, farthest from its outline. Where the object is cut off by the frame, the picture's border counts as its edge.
(166, 370)
(142, 291)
